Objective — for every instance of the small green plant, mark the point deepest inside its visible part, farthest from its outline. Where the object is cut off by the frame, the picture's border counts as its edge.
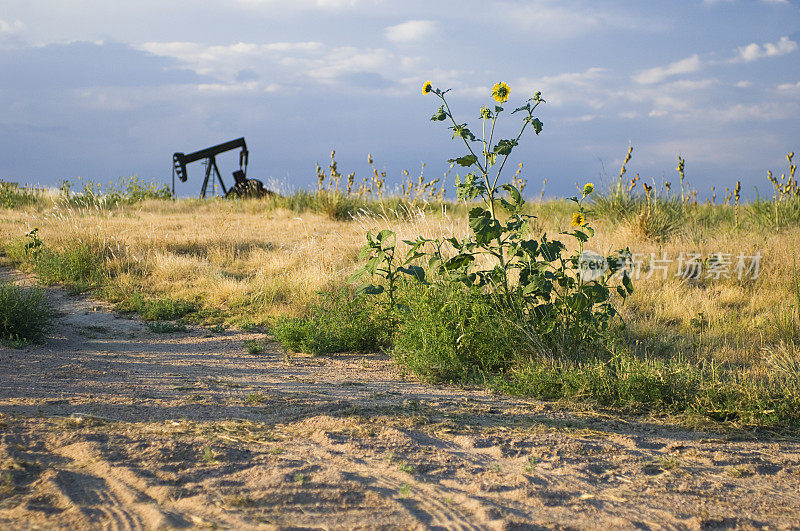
(740, 471)
(668, 462)
(404, 491)
(255, 398)
(247, 326)
(33, 244)
(6, 483)
(166, 327)
(208, 455)
(25, 314)
(531, 465)
(406, 467)
(300, 478)
(254, 346)
(161, 309)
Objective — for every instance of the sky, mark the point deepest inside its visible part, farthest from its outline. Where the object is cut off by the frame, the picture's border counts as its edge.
(102, 90)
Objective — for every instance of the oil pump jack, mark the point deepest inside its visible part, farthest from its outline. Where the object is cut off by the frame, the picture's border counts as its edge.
(243, 187)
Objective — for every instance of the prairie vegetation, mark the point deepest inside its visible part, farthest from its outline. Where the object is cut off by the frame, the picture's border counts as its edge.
(697, 312)
(710, 348)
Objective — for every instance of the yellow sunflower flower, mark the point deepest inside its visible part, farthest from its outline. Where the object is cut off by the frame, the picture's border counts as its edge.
(577, 219)
(588, 188)
(427, 87)
(500, 92)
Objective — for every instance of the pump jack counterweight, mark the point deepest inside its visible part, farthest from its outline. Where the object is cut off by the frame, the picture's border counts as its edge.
(243, 187)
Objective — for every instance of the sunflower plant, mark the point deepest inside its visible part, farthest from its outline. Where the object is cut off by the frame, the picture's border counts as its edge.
(537, 279)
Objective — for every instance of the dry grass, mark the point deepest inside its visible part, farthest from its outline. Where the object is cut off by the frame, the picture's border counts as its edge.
(249, 264)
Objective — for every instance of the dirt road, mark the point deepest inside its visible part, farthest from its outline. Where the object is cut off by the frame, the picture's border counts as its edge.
(109, 425)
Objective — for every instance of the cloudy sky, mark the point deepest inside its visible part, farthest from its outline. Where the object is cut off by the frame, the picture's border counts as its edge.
(103, 89)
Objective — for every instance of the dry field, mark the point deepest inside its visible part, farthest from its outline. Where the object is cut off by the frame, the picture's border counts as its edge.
(246, 263)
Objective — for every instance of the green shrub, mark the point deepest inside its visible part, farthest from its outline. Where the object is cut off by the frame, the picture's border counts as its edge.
(451, 333)
(25, 314)
(341, 322)
(132, 190)
(79, 267)
(128, 190)
(254, 347)
(12, 196)
(163, 309)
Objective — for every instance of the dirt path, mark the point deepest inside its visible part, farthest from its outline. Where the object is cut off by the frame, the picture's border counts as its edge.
(109, 425)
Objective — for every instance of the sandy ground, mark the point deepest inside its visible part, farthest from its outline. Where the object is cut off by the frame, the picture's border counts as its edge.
(111, 426)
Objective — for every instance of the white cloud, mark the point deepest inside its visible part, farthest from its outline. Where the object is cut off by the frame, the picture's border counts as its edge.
(789, 87)
(306, 64)
(553, 19)
(11, 28)
(567, 87)
(411, 31)
(744, 84)
(224, 62)
(765, 112)
(660, 73)
(753, 51)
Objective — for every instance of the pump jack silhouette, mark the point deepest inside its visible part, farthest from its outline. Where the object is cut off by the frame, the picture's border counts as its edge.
(243, 187)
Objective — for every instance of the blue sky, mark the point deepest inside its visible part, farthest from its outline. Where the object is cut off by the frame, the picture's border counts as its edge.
(104, 89)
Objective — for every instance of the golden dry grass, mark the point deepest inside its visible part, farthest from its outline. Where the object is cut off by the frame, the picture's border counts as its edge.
(251, 264)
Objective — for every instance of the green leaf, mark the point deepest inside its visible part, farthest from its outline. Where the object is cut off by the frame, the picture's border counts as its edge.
(580, 235)
(440, 115)
(470, 188)
(508, 206)
(536, 123)
(357, 275)
(504, 147)
(622, 292)
(514, 193)
(462, 131)
(455, 243)
(485, 230)
(530, 248)
(370, 289)
(597, 293)
(626, 281)
(524, 108)
(414, 271)
(372, 265)
(466, 160)
(458, 261)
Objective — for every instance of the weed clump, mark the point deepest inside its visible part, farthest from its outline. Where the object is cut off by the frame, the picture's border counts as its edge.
(340, 322)
(12, 196)
(79, 265)
(159, 309)
(25, 314)
(447, 333)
